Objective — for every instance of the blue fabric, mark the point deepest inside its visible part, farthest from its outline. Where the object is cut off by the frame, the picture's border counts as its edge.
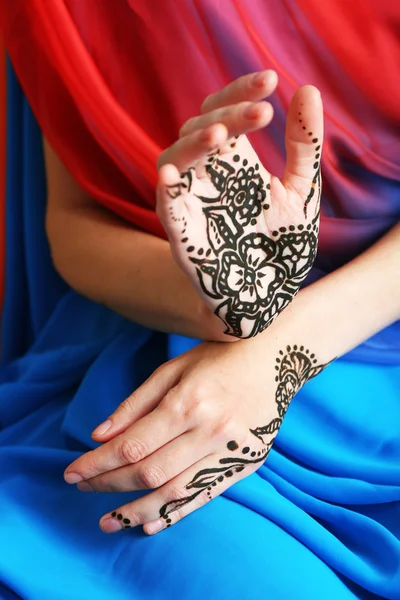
(320, 519)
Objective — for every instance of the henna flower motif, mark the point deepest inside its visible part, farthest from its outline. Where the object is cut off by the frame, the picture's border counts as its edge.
(249, 275)
(244, 194)
(298, 252)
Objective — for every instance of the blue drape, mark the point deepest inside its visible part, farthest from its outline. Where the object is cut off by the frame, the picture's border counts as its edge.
(320, 519)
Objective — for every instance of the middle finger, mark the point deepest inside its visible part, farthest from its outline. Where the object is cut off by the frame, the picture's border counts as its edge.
(157, 469)
(253, 87)
(141, 439)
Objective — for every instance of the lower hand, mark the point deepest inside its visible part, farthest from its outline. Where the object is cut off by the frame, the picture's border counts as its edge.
(199, 424)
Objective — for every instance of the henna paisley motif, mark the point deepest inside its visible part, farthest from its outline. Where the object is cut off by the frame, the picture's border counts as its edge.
(294, 367)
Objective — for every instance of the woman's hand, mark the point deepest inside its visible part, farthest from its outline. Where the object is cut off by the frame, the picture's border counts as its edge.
(199, 424)
(245, 239)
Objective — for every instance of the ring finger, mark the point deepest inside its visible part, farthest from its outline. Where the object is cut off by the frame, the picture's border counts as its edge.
(238, 118)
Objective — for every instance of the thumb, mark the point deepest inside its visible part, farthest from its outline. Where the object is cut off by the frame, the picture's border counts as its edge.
(304, 136)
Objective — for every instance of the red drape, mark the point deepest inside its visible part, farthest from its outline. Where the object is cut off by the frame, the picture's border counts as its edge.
(2, 164)
(61, 50)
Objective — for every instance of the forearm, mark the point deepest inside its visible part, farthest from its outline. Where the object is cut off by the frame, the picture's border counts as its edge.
(346, 307)
(109, 261)
(129, 271)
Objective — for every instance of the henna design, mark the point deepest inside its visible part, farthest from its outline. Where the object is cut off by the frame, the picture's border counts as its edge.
(294, 368)
(120, 517)
(253, 275)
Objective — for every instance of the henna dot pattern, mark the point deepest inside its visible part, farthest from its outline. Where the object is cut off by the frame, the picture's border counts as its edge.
(232, 445)
(249, 277)
(296, 366)
(316, 182)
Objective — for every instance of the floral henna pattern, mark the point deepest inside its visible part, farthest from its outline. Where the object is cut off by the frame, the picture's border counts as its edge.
(294, 366)
(253, 276)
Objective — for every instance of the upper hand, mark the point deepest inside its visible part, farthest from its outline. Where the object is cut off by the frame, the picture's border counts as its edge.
(245, 238)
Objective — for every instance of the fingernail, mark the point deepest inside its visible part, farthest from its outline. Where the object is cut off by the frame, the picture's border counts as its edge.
(110, 525)
(84, 486)
(253, 110)
(259, 79)
(154, 526)
(102, 428)
(72, 477)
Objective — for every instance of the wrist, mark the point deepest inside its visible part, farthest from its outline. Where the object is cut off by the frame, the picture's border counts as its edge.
(211, 326)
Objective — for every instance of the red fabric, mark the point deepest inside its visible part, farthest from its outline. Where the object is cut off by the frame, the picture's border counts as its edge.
(364, 36)
(2, 164)
(71, 102)
(111, 82)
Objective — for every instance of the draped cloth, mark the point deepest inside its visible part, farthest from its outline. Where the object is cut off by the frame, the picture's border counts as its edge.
(110, 84)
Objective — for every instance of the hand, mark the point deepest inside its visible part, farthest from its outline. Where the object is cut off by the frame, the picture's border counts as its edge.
(244, 238)
(199, 424)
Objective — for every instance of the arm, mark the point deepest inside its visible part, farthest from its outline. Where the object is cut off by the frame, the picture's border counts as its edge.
(130, 271)
(346, 307)
(193, 439)
(110, 262)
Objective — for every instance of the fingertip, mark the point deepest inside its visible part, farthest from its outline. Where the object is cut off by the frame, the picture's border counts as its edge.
(214, 135)
(102, 428)
(272, 78)
(308, 94)
(168, 174)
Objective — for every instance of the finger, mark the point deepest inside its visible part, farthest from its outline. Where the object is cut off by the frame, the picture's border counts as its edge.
(143, 400)
(186, 151)
(238, 118)
(142, 439)
(179, 497)
(304, 136)
(156, 470)
(253, 87)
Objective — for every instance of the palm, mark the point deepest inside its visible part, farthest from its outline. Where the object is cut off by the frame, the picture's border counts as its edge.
(245, 241)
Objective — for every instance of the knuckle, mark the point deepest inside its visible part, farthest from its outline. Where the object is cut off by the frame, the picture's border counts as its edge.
(187, 126)
(202, 406)
(206, 104)
(151, 477)
(135, 518)
(91, 467)
(174, 403)
(201, 411)
(127, 405)
(223, 428)
(132, 451)
(103, 484)
(202, 499)
(175, 494)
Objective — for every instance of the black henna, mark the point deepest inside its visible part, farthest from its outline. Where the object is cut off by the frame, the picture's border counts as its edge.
(255, 275)
(294, 366)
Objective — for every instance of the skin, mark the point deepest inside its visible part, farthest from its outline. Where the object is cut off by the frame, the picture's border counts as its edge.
(79, 229)
(175, 425)
(122, 278)
(244, 238)
(181, 419)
